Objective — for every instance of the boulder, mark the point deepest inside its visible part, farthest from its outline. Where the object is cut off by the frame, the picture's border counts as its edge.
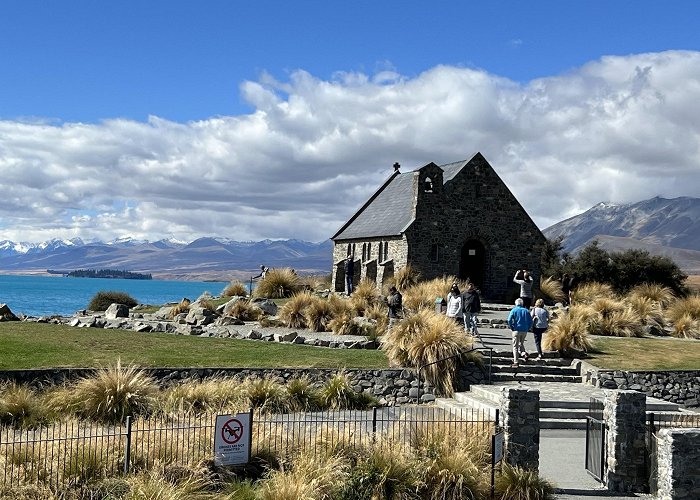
(6, 314)
(200, 316)
(115, 311)
(224, 309)
(267, 306)
(163, 312)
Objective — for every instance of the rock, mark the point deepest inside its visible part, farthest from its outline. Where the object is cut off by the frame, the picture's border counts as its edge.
(254, 335)
(115, 311)
(74, 322)
(224, 309)
(142, 327)
(6, 314)
(200, 316)
(228, 321)
(163, 312)
(267, 306)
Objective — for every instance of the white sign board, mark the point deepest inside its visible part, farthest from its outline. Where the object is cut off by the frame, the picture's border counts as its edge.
(232, 439)
(498, 447)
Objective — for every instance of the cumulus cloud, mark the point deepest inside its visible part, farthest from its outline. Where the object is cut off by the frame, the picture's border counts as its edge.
(618, 129)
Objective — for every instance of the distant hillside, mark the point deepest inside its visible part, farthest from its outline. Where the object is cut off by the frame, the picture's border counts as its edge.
(204, 258)
(669, 227)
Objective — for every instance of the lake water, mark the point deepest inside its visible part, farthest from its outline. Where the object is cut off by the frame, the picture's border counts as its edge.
(46, 295)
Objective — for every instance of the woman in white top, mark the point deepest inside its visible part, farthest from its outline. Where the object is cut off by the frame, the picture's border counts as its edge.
(540, 323)
(454, 304)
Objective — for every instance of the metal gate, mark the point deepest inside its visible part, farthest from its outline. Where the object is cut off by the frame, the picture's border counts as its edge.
(595, 440)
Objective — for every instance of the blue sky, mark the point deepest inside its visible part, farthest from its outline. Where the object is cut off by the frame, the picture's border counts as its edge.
(146, 118)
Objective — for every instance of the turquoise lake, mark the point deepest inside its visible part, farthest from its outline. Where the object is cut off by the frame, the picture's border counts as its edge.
(47, 295)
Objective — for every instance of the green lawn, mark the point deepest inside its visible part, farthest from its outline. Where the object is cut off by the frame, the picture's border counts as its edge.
(649, 353)
(35, 345)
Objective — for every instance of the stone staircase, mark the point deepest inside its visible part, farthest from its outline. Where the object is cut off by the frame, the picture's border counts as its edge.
(564, 399)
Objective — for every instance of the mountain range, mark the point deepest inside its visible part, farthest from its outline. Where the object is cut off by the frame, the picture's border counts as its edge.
(668, 227)
(201, 259)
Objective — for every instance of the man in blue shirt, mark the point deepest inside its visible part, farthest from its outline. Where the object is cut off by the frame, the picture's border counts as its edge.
(519, 321)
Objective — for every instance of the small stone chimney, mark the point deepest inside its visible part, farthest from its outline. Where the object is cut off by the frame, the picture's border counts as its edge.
(396, 166)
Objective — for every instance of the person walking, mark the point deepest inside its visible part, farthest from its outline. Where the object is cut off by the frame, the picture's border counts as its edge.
(519, 321)
(522, 277)
(471, 302)
(454, 305)
(349, 269)
(395, 305)
(540, 319)
(263, 272)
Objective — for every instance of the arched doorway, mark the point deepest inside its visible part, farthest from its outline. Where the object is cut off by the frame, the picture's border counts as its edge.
(472, 263)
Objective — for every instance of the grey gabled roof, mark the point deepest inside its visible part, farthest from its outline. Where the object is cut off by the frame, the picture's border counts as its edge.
(389, 211)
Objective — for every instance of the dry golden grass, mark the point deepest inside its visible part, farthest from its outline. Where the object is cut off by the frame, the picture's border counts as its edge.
(618, 323)
(659, 294)
(292, 313)
(278, 284)
(318, 314)
(245, 311)
(693, 283)
(517, 483)
(182, 307)
(687, 306)
(589, 292)
(551, 289)
(406, 278)
(235, 289)
(649, 312)
(379, 314)
(686, 327)
(569, 332)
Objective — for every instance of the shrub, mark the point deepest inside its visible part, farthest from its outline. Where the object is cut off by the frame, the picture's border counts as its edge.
(662, 295)
(278, 284)
(551, 289)
(618, 323)
(383, 473)
(292, 312)
(113, 393)
(569, 332)
(688, 306)
(102, 300)
(338, 394)
(406, 278)
(395, 342)
(379, 314)
(21, 407)
(302, 395)
(266, 395)
(235, 289)
(201, 396)
(440, 338)
(245, 311)
(648, 311)
(309, 478)
(364, 296)
(318, 314)
(453, 469)
(517, 483)
(345, 324)
(686, 327)
(182, 307)
(339, 305)
(590, 292)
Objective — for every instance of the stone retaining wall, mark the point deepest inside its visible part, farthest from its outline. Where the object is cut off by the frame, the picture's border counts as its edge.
(390, 386)
(679, 386)
(678, 456)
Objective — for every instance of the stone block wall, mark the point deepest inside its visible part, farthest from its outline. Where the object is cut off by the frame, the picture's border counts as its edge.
(678, 386)
(678, 458)
(396, 259)
(519, 415)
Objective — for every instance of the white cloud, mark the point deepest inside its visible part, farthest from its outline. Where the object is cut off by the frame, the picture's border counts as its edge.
(618, 129)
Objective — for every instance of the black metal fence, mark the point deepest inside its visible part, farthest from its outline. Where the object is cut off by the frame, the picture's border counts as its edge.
(595, 440)
(656, 422)
(70, 454)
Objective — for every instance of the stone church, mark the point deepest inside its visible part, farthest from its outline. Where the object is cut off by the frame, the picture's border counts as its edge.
(456, 219)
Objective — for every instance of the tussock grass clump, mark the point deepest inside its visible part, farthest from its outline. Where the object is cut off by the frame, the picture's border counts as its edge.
(235, 289)
(517, 483)
(182, 307)
(386, 473)
(569, 332)
(278, 284)
(154, 484)
(551, 289)
(245, 311)
(364, 296)
(379, 314)
(684, 314)
(406, 278)
(112, 394)
(345, 324)
(648, 311)
(266, 395)
(662, 295)
(590, 292)
(293, 311)
(308, 478)
(618, 323)
(337, 393)
(302, 395)
(339, 305)
(21, 407)
(200, 396)
(102, 300)
(318, 314)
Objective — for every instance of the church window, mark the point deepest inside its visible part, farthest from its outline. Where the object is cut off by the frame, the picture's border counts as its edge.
(428, 185)
(435, 252)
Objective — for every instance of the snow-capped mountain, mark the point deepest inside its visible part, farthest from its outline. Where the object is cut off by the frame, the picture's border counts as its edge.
(658, 221)
(168, 256)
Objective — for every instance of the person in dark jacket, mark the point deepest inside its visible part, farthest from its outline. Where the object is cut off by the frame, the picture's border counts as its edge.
(472, 307)
(395, 304)
(349, 269)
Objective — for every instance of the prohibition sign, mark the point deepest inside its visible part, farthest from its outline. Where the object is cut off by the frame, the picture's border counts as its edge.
(232, 431)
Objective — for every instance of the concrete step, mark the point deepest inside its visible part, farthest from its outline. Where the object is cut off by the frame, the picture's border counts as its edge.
(536, 369)
(529, 377)
(466, 411)
(564, 412)
(508, 360)
(562, 423)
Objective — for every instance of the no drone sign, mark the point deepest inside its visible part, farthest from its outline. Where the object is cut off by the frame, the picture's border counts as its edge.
(232, 439)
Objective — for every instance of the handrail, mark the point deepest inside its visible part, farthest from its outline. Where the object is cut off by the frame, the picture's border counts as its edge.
(459, 354)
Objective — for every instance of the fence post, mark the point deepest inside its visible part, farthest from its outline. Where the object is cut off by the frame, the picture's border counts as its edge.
(127, 452)
(374, 420)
